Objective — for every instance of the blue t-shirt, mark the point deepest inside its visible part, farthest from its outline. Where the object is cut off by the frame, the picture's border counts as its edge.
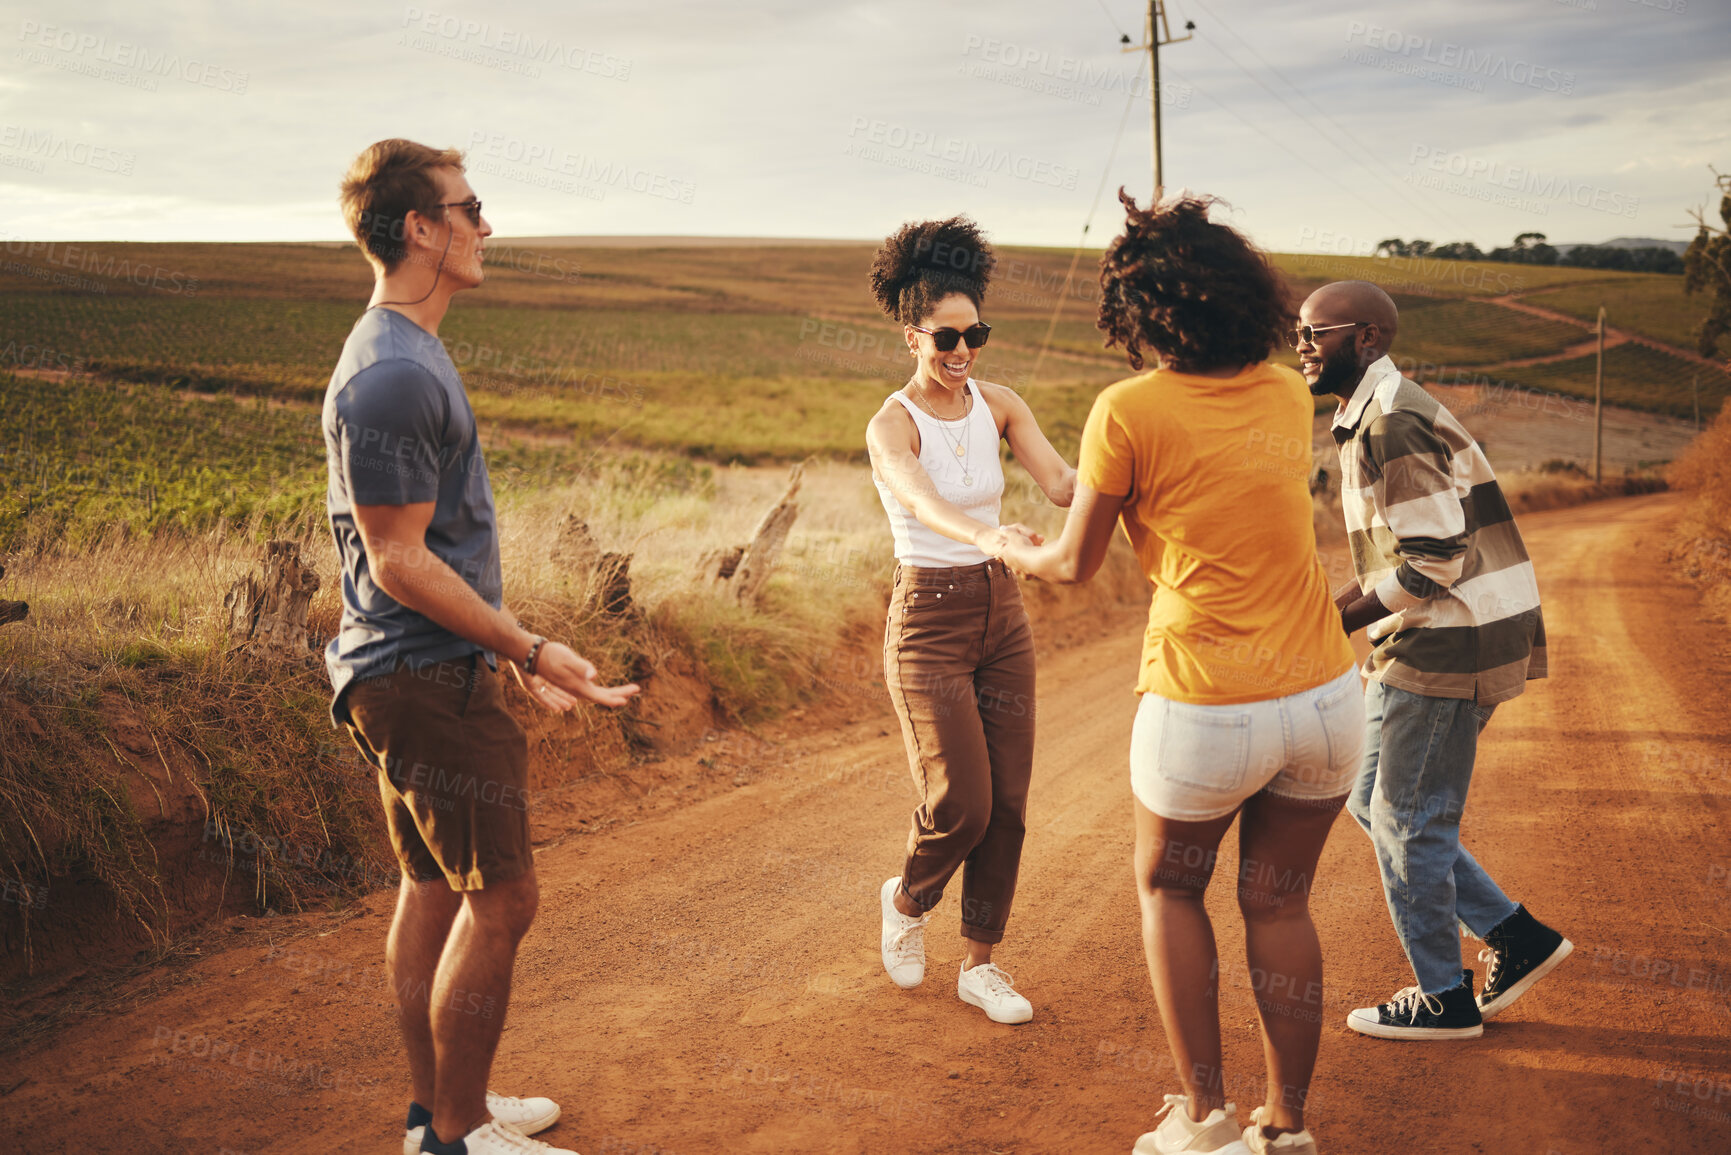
(399, 431)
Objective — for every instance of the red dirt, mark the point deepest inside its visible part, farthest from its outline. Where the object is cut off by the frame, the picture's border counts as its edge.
(704, 978)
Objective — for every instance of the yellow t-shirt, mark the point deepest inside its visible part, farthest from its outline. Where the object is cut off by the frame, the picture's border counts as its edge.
(1215, 475)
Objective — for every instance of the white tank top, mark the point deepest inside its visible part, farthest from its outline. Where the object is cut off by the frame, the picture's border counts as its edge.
(971, 480)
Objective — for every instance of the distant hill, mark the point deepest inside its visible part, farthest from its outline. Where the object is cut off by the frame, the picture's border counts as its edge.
(1677, 247)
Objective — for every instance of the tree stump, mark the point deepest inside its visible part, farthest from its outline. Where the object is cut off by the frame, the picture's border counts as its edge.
(12, 611)
(717, 565)
(612, 586)
(267, 610)
(766, 543)
(575, 545)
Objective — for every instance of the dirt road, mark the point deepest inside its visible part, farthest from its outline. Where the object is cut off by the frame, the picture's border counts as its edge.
(707, 980)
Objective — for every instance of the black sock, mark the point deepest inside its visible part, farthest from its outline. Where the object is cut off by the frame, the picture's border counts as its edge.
(419, 1116)
(431, 1143)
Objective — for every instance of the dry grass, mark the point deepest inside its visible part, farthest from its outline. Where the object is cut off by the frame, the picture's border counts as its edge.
(127, 638)
(1561, 484)
(1701, 543)
(127, 715)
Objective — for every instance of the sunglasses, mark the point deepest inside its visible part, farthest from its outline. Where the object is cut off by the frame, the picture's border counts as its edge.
(945, 339)
(1306, 334)
(472, 207)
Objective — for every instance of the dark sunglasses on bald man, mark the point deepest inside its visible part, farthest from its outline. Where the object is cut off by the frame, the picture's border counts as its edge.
(1306, 334)
(945, 339)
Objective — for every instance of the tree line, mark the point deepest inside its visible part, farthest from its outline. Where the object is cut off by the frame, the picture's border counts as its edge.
(1532, 249)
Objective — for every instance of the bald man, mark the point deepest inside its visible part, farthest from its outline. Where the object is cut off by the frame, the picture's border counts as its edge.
(1445, 586)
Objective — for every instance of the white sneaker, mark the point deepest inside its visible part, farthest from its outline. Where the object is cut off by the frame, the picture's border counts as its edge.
(1218, 1133)
(903, 940)
(1289, 1143)
(989, 988)
(526, 1115)
(492, 1139)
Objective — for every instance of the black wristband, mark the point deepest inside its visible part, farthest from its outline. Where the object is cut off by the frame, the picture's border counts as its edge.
(534, 652)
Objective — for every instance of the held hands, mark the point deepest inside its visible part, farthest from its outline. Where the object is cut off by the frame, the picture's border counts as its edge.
(562, 677)
(1007, 543)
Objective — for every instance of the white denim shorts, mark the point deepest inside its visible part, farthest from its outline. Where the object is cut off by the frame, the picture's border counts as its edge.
(1193, 763)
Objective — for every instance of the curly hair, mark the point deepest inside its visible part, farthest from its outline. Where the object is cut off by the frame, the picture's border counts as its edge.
(1195, 293)
(926, 261)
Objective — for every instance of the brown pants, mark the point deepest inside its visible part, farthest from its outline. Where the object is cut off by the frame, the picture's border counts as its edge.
(959, 664)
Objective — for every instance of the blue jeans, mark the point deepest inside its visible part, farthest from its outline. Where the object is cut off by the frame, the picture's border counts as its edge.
(1418, 763)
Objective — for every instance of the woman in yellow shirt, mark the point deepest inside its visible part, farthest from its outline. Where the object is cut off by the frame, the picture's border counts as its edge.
(1249, 702)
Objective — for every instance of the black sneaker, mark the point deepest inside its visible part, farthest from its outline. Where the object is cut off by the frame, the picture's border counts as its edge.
(1412, 1014)
(1519, 951)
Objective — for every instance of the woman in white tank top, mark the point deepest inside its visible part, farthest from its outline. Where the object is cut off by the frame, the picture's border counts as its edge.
(958, 653)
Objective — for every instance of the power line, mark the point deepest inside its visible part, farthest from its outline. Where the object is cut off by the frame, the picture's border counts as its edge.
(1392, 178)
(1114, 21)
(1422, 207)
(1082, 241)
(1300, 157)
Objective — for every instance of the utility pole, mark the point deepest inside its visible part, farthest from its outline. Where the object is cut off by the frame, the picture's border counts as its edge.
(1159, 34)
(1696, 387)
(1599, 401)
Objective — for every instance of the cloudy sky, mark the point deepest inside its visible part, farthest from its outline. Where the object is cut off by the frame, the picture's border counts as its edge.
(1327, 125)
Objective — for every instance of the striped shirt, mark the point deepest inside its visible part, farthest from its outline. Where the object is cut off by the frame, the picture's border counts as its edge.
(1432, 535)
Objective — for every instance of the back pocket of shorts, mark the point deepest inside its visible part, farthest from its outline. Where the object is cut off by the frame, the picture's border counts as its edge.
(1207, 747)
(1343, 725)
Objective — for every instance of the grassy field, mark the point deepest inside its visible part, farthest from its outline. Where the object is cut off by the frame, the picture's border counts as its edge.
(1654, 306)
(87, 459)
(1636, 376)
(158, 421)
(601, 323)
(1428, 275)
(1465, 333)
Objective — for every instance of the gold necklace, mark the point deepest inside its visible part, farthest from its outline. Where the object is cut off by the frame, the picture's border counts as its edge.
(958, 445)
(925, 403)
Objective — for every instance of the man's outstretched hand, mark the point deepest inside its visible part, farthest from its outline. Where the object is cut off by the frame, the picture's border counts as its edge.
(562, 676)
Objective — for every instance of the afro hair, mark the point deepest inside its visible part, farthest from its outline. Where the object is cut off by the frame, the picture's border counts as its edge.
(926, 261)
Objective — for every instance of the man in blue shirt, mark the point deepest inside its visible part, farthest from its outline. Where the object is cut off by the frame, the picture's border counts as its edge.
(414, 666)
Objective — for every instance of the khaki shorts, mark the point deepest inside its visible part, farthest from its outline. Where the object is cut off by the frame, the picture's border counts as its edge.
(453, 771)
